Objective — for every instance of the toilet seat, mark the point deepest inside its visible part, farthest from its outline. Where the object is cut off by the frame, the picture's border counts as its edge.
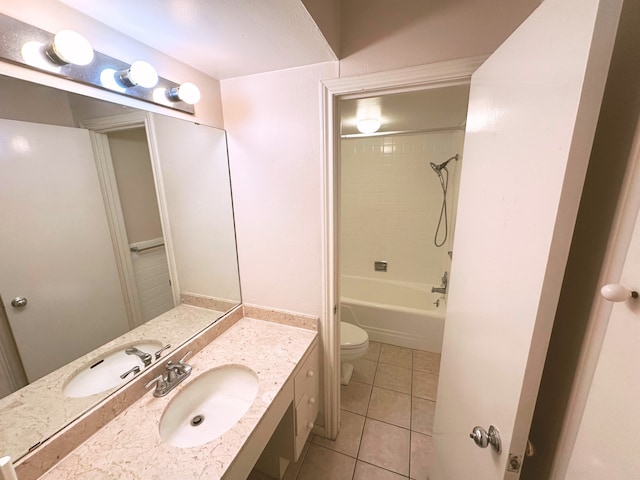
(352, 336)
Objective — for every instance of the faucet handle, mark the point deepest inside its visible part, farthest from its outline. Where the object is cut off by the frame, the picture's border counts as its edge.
(159, 382)
(181, 361)
(135, 370)
(159, 352)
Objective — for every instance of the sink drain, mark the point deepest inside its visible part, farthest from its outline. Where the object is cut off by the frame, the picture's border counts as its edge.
(197, 420)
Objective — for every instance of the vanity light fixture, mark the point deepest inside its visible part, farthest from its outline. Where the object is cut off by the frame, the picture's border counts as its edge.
(139, 73)
(186, 92)
(368, 125)
(69, 55)
(69, 47)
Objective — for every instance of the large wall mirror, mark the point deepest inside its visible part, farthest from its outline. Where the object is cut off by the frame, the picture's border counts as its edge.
(117, 233)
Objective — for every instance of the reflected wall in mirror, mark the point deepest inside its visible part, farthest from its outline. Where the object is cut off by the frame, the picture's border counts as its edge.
(110, 217)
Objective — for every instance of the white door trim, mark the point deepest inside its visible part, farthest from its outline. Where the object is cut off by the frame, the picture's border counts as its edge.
(442, 74)
(114, 213)
(106, 175)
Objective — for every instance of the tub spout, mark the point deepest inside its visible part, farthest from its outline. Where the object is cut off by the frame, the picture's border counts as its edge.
(441, 290)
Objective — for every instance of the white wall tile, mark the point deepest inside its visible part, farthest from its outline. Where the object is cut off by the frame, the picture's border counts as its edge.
(390, 204)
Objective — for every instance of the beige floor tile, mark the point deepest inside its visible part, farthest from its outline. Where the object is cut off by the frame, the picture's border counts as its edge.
(425, 385)
(386, 446)
(421, 455)
(397, 356)
(393, 378)
(364, 370)
(426, 361)
(422, 414)
(294, 468)
(322, 463)
(391, 407)
(373, 352)
(349, 435)
(365, 471)
(355, 397)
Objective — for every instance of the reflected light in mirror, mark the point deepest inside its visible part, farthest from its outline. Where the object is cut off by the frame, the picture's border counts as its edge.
(108, 80)
(32, 53)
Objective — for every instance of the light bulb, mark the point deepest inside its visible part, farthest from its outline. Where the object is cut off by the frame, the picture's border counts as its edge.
(70, 47)
(139, 73)
(368, 125)
(186, 92)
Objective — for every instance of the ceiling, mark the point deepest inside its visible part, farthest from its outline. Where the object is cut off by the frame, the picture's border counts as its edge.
(432, 109)
(222, 38)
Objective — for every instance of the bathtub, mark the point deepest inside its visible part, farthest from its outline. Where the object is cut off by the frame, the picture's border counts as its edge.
(399, 313)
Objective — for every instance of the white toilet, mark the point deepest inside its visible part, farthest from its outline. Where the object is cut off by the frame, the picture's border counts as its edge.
(354, 342)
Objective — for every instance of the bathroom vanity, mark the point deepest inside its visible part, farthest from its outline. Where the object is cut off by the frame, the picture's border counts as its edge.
(284, 358)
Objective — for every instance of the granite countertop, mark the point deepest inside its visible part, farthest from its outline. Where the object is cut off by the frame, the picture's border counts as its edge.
(129, 447)
(40, 409)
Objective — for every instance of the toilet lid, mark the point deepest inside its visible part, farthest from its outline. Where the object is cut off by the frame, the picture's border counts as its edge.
(352, 335)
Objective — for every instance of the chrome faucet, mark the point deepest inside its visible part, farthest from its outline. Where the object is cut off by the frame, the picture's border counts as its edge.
(176, 373)
(443, 287)
(145, 357)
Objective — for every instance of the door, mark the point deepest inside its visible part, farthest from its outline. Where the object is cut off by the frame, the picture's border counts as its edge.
(532, 114)
(55, 247)
(607, 442)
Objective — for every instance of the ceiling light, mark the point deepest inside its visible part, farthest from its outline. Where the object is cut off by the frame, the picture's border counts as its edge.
(139, 73)
(69, 47)
(186, 92)
(368, 125)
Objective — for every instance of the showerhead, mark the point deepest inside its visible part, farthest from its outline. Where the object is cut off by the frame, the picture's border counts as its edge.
(437, 168)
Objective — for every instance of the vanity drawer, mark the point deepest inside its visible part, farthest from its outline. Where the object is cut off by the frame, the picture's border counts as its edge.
(307, 410)
(309, 373)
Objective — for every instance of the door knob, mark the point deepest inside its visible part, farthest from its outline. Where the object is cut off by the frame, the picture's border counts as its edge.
(18, 302)
(483, 439)
(614, 292)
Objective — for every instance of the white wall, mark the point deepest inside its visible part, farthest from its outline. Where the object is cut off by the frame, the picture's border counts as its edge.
(53, 16)
(390, 205)
(274, 127)
(381, 35)
(273, 122)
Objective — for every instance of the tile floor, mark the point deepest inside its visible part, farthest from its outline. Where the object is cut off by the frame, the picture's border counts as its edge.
(386, 420)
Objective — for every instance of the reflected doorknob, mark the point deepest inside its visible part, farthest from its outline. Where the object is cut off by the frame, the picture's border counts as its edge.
(19, 302)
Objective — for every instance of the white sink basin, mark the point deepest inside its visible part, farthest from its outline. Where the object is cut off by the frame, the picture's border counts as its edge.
(209, 406)
(103, 373)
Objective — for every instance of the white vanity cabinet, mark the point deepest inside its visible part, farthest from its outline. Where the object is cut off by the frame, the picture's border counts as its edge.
(292, 432)
(306, 390)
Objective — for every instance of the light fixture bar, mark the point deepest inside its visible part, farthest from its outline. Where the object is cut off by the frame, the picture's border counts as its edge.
(15, 35)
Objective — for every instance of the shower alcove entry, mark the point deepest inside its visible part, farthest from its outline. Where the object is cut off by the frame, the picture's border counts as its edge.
(398, 192)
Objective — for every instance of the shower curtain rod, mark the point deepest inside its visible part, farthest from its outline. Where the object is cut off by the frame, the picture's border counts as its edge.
(403, 132)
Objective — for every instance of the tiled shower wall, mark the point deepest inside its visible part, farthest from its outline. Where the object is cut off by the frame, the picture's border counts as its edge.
(390, 204)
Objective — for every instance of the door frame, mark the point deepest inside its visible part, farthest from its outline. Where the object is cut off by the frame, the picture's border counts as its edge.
(98, 130)
(435, 75)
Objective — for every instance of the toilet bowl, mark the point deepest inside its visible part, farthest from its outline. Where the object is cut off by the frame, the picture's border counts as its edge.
(354, 342)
